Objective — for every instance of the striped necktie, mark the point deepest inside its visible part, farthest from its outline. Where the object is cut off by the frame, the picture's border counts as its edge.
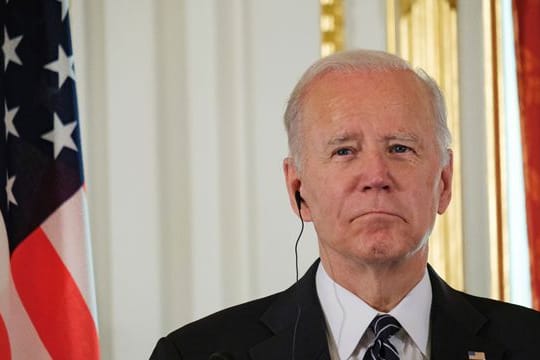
(384, 326)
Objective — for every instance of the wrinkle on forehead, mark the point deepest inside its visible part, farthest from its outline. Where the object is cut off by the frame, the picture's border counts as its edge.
(402, 90)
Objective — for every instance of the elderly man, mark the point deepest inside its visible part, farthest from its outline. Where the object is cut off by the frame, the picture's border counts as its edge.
(370, 165)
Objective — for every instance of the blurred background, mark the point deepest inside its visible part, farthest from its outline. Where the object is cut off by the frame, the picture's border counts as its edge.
(181, 105)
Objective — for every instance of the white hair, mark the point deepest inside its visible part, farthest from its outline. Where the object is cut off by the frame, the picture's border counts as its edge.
(360, 61)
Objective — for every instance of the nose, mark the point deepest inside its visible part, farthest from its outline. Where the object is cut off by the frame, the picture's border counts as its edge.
(375, 174)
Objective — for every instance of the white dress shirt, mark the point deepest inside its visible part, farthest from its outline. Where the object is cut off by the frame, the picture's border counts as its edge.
(348, 317)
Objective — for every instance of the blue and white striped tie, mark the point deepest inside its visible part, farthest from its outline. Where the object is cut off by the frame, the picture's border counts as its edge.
(384, 326)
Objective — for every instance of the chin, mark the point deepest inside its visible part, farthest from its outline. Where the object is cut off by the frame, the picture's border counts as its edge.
(379, 260)
(385, 253)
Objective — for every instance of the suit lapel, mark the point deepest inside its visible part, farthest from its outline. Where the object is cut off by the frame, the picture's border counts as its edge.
(455, 325)
(299, 301)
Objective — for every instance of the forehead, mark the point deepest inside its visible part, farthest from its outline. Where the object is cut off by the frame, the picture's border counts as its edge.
(397, 97)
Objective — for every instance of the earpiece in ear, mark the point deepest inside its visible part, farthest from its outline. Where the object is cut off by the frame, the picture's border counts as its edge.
(298, 199)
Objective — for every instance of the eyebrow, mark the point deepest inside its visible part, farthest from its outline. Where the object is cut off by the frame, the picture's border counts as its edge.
(403, 137)
(343, 138)
(346, 137)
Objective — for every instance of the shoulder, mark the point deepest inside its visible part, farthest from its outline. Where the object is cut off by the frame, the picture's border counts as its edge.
(490, 324)
(227, 321)
(240, 328)
(508, 318)
(235, 329)
(515, 328)
(455, 302)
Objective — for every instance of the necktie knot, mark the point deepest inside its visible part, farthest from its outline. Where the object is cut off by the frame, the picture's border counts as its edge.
(384, 326)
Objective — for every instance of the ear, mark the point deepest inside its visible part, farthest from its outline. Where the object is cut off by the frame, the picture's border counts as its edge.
(446, 184)
(294, 184)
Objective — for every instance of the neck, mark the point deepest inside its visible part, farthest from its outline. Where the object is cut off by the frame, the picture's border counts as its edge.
(382, 285)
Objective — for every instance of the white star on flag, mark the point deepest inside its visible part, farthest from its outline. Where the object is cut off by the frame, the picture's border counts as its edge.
(9, 116)
(9, 48)
(65, 7)
(9, 190)
(63, 65)
(60, 136)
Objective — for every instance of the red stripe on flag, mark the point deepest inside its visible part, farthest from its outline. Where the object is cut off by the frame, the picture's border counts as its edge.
(5, 351)
(53, 301)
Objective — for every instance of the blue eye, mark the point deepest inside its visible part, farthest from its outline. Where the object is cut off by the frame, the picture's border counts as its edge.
(343, 152)
(399, 149)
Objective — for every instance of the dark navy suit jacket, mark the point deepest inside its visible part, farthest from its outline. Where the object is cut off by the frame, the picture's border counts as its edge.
(264, 329)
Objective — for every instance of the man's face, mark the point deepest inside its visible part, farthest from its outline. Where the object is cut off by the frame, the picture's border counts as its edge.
(371, 177)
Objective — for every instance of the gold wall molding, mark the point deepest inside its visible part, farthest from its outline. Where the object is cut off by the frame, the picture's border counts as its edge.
(424, 32)
(496, 154)
(332, 26)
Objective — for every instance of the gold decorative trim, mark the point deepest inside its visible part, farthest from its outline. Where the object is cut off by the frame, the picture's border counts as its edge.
(424, 32)
(496, 154)
(332, 26)
(391, 16)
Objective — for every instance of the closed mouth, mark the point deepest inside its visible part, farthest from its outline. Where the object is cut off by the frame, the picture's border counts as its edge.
(378, 213)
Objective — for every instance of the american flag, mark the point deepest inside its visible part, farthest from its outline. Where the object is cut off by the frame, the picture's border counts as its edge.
(477, 355)
(47, 300)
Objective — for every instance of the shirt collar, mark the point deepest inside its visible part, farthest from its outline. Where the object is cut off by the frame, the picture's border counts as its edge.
(348, 316)
(413, 313)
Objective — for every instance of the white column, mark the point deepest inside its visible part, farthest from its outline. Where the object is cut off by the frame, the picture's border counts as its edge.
(235, 126)
(174, 165)
(365, 24)
(204, 146)
(473, 133)
(284, 41)
(132, 129)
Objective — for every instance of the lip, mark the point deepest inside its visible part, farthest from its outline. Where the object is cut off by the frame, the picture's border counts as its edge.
(377, 213)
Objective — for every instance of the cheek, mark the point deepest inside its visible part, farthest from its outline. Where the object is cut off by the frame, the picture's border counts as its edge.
(322, 200)
(428, 201)
(425, 195)
(430, 177)
(326, 195)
